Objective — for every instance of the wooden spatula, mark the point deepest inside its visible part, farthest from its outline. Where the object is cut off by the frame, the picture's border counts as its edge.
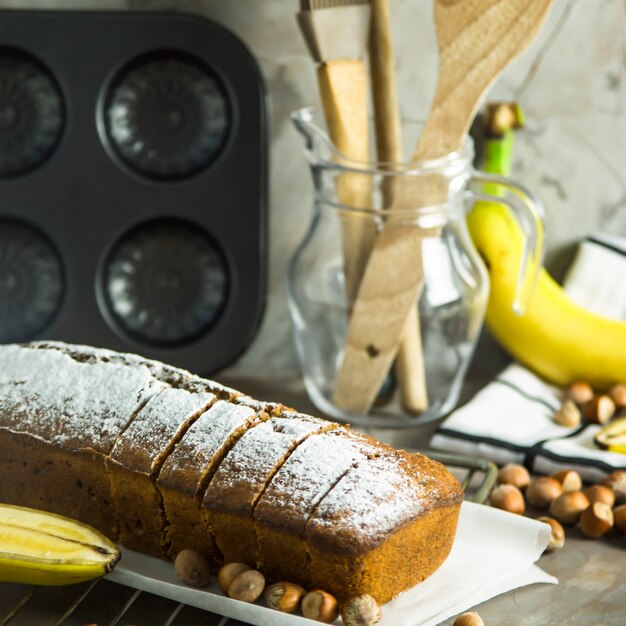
(477, 39)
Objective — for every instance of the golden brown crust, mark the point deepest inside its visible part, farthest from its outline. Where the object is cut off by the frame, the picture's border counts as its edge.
(39, 475)
(405, 558)
(377, 498)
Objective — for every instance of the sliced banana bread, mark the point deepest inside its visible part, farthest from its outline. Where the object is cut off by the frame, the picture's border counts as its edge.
(190, 467)
(289, 500)
(241, 478)
(136, 459)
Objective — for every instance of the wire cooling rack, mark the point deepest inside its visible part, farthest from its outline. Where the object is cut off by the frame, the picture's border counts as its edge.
(104, 603)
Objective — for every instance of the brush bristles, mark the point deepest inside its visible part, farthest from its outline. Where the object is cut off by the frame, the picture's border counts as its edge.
(315, 5)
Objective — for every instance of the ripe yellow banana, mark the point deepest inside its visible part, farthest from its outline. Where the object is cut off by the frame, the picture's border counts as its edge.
(556, 338)
(41, 548)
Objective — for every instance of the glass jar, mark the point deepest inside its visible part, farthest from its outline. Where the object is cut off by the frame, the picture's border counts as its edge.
(353, 203)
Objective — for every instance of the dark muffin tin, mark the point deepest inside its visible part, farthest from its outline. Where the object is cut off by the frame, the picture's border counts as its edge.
(133, 154)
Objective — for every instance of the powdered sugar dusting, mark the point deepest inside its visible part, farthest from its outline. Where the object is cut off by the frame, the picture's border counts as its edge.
(373, 500)
(150, 434)
(246, 469)
(76, 405)
(174, 376)
(307, 475)
(202, 442)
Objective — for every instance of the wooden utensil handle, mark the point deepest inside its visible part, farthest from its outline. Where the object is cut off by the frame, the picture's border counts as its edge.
(343, 89)
(379, 316)
(410, 361)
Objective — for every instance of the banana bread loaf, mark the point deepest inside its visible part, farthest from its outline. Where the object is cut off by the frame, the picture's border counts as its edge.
(164, 460)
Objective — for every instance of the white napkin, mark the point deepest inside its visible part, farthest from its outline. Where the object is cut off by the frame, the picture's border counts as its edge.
(498, 548)
(511, 419)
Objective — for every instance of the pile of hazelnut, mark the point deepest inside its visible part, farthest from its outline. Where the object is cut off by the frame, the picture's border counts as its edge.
(240, 582)
(596, 509)
(581, 402)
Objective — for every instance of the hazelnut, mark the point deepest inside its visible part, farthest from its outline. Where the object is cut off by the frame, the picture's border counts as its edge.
(600, 493)
(568, 415)
(360, 610)
(580, 392)
(599, 410)
(284, 596)
(508, 498)
(469, 619)
(596, 520)
(619, 517)
(570, 480)
(320, 606)
(618, 395)
(617, 482)
(227, 573)
(192, 568)
(568, 507)
(514, 474)
(557, 534)
(247, 586)
(542, 491)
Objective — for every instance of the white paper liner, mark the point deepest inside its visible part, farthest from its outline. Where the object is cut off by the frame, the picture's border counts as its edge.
(493, 553)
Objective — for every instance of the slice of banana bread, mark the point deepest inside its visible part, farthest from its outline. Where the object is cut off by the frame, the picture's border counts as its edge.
(136, 459)
(384, 527)
(241, 478)
(290, 498)
(192, 464)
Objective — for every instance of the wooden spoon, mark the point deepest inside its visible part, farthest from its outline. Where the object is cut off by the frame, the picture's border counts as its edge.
(477, 39)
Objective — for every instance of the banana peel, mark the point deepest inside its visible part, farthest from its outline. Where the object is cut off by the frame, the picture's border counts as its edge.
(620, 449)
(41, 548)
(557, 339)
(613, 436)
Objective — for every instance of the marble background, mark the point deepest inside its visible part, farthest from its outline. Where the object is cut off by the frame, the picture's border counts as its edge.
(571, 82)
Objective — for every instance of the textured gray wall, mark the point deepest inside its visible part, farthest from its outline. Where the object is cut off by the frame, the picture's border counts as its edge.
(572, 83)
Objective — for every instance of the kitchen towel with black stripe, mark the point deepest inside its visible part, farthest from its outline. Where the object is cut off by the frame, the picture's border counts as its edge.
(511, 420)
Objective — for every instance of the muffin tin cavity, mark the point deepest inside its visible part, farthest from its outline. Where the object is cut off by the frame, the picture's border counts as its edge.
(167, 115)
(31, 113)
(166, 282)
(31, 281)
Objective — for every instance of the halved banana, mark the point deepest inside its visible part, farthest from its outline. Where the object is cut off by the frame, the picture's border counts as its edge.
(41, 548)
(613, 436)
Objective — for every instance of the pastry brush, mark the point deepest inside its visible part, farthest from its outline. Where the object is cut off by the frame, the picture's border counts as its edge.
(336, 33)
